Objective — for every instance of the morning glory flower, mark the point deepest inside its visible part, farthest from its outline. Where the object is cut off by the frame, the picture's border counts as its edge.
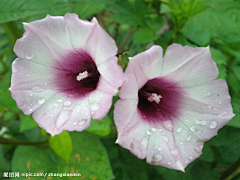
(169, 106)
(66, 72)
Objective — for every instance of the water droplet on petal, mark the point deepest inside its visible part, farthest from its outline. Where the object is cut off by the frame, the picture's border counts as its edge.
(190, 157)
(84, 108)
(82, 122)
(144, 143)
(179, 130)
(45, 83)
(38, 88)
(153, 129)
(189, 137)
(41, 101)
(168, 125)
(51, 115)
(174, 152)
(59, 100)
(165, 138)
(222, 114)
(192, 128)
(169, 163)
(220, 102)
(30, 109)
(27, 74)
(201, 122)
(157, 158)
(132, 145)
(31, 94)
(209, 107)
(94, 107)
(29, 56)
(213, 124)
(14, 70)
(159, 149)
(74, 123)
(56, 105)
(67, 103)
(148, 132)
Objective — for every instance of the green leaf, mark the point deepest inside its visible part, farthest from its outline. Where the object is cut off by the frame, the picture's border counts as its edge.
(86, 9)
(221, 61)
(126, 12)
(101, 128)
(207, 153)
(27, 123)
(62, 145)
(235, 121)
(143, 35)
(7, 101)
(14, 10)
(89, 158)
(213, 23)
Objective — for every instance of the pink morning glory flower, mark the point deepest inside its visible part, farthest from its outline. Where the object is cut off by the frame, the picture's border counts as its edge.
(66, 72)
(169, 106)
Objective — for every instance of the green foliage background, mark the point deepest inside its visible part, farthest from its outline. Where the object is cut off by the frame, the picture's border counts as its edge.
(135, 25)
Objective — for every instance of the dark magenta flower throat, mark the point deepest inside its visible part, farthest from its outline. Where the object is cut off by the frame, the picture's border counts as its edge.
(78, 74)
(159, 100)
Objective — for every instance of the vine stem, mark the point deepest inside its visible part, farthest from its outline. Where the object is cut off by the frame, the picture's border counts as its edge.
(231, 171)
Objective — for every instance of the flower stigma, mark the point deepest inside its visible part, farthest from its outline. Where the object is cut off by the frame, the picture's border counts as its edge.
(154, 97)
(82, 76)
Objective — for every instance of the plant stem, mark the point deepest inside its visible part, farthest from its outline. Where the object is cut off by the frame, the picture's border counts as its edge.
(230, 171)
(12, 31)
(15, 142)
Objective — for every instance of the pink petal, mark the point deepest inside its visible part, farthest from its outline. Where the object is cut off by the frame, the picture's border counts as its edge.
(95, 40)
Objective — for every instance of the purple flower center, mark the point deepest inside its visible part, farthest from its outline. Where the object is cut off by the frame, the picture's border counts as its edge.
(159, 100)
(77, 74)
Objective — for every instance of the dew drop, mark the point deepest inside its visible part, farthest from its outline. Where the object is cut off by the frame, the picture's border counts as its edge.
(159, 149)
(189, 137)
(209, 107)
(45, 83)
(153, 129)
(56, 105)
(201, 122)
(169, 163)
(165, 138)
(199, 132)
(213, 124)
(67, 103)
(190, 157)
(174, 152)
(74, 123)
(192, 128)
(30, 109)
(220, 102)
(90, 98)
(41, 101)
(14, 70)
(82, 122)
(157, 158)
(84, 108)
(168, 125)
(31, 94)
(29, 56)
(144, 143)
(94, 107)
(27, 74)
(51, 115)
(148, 132)
(59, 100)
(160, 130)
(38, 88)
(222, 114)
(179, 130)
(132, 145)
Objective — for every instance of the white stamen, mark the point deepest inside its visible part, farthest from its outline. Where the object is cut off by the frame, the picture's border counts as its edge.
(82, 75)
(154, 97)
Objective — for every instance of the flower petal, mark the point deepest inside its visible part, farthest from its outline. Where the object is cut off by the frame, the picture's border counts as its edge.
(167, 110)
(94, 39)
